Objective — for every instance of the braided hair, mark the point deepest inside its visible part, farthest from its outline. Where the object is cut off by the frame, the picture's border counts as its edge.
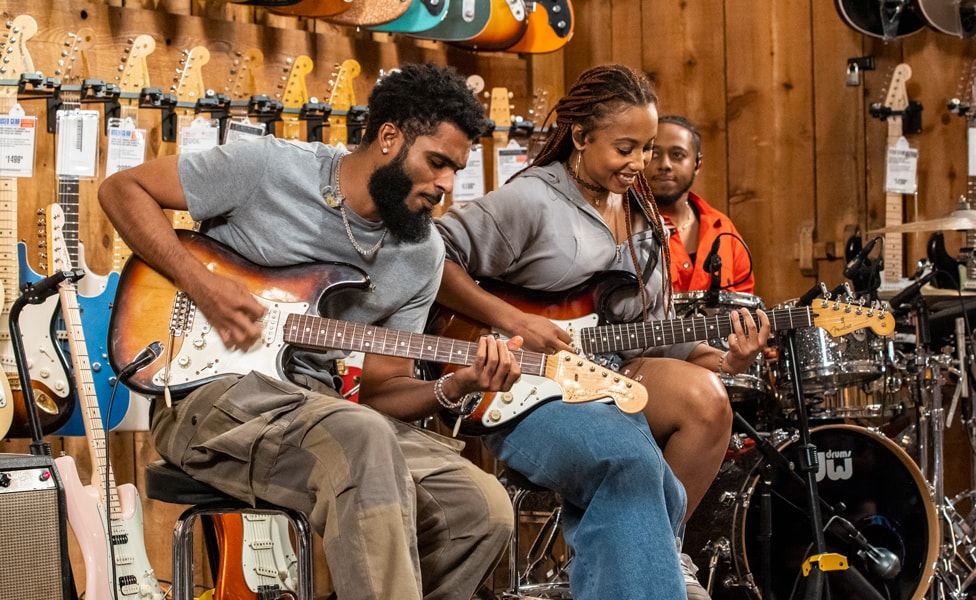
(597, 94)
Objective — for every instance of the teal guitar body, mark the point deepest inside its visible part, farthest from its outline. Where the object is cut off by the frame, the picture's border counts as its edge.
(421, 16)
(464, 20)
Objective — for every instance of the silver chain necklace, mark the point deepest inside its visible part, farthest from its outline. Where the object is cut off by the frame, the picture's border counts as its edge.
(341, 200)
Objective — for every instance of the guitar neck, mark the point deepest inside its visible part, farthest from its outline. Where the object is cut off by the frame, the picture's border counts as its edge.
(894, 262)
(637, 336)
(68, 193)
(94, 430)
(322, 333)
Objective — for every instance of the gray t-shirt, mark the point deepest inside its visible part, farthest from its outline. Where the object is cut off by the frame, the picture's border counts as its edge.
(268, 203)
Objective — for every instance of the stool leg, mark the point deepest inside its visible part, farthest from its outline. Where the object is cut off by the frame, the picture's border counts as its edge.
(303, 537)
(183, 556)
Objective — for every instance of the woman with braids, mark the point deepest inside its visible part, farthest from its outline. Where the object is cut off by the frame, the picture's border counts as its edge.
(584, 208)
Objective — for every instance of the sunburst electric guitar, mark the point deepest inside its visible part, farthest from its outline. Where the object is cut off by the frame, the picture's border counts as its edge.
(106, 519)
(193, 353)
(580, 311)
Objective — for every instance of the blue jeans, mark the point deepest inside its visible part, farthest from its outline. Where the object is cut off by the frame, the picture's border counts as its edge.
(622, 505)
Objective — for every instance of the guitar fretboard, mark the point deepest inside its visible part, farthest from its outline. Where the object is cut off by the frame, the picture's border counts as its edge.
(320, 332)
(634, 336)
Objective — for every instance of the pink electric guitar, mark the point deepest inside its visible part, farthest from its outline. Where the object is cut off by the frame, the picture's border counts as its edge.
(106, 519)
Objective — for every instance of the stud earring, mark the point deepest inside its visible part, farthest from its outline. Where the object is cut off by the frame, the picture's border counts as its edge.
(386, 150)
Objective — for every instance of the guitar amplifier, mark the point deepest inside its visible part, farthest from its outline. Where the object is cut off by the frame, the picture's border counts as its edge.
(34, 541)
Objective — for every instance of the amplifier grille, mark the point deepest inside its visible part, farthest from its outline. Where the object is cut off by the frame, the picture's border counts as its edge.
(30, 545)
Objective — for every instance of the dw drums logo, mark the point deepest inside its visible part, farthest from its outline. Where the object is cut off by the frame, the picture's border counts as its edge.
(834, 465)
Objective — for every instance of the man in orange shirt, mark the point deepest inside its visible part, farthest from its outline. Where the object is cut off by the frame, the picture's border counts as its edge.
(695, 226)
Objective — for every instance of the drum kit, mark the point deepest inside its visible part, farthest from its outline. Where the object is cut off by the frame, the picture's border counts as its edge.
(872, 408)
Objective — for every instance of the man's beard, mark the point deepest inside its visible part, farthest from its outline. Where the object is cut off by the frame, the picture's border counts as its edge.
(670, 199)
(389, 186)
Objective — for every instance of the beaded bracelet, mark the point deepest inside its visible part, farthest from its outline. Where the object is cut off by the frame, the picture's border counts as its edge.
(441, 397)
(721, 364)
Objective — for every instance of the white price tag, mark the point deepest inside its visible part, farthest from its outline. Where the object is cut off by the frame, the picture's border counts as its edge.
(243, 130)
(200, 134)
(469, 182)
(17, 135)
(510, 160)
(126, 146)
(77, 143)
(901, 168)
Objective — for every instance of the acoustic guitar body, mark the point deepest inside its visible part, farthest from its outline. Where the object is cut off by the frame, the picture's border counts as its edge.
(549, 27)
(880, 19)
(421, 16)
(370, 13)
(506, 25)
(464, 20)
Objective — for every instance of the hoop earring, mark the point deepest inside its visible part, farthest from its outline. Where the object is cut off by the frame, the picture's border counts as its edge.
(579, 157)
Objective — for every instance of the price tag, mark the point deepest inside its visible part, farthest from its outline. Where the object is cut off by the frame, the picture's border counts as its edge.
(901, 168)
(77, 143)
(126, 146)
(243, 130)
(17, 135)
(510, 160)
(972, 151)
(469, 182)
(200, 134)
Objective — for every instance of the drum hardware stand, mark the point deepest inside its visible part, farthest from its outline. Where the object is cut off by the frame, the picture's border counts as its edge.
(820, 564)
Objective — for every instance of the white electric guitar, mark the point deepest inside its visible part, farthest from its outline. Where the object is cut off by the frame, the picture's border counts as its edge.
(106, 519)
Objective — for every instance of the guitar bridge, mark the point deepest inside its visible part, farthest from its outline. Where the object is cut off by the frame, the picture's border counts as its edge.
(182, 314)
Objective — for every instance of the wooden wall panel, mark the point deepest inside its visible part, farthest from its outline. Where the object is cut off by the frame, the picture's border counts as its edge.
(769, 88)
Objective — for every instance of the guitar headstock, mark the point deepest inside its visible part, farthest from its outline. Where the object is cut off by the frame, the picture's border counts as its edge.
(296, 92)
(837, 318)
(584, 381)
(133, 70)
(896, 99)
(242, 83)
(188, 85)
(16, 59)
(73, 63)
(964, 103)
(499, 107)
(540, 108)
(58, 258)
(342, 98)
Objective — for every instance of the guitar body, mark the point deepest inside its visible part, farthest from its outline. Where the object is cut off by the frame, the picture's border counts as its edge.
(47, 362)
(422, 15)
(549, 27)
(255, 551)
(506, 25)
(580, 307)
(145, 305)
(313, 8)
(369, 13)
(881, 18)
(954, 17)
(464, 20)
(96, 296)
(86, 515)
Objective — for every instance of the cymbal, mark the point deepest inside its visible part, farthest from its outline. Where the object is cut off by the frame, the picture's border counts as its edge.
(958, 220)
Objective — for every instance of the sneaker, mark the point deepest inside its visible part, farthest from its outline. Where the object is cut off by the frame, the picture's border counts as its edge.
(690, 571)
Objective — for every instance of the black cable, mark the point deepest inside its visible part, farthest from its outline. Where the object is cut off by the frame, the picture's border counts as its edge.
(108, 497)
(748, 254)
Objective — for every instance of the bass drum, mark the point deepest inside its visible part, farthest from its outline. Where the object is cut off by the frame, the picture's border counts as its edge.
(753, 385)
(881, 490)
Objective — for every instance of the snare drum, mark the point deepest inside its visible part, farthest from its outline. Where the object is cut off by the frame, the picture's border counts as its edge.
(883, 494)
(754, 383)
(826, 363)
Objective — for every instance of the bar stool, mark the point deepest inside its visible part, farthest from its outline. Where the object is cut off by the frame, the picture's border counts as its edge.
(535, 581)
(168, 483)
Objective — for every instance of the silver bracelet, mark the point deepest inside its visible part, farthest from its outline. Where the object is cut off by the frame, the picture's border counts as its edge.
(721, 365)
(441, 397)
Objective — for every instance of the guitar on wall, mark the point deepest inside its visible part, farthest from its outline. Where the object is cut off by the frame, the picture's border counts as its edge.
(295, 97)
(106, 519)
(189, 88)
(149, 308)
(507, 23)
(342, 98)
(895, 102)
(549, 28)
(955, 17)
(579, 312)
(50, 379)
(96, 292)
